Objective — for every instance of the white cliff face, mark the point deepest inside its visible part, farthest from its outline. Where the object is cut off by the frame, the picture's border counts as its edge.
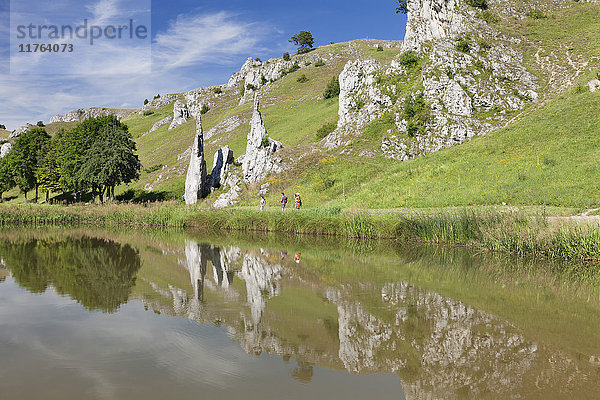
(20, 130)
(5, 149)
(196, 174)
(260, 276)
(180, 114)
(93, 112)
(431, 20)
(259, 160)
(223, 159)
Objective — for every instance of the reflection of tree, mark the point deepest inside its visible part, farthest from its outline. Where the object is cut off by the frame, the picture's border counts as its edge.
(97, 273)
(303, 373)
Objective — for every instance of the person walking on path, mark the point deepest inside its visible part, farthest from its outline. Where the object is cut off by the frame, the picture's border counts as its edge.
(298, 202)
(263, 202)
(283, 201)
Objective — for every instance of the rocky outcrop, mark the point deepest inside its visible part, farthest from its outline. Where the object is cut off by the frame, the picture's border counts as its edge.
(222, 161)
(93, 112)
(180, 114)
(259, 160)
(158, 103)
(5, 149)
(195, 181)
(160, 123)
(233, 181)
(21, 130)
(225, 126)
(432, 20)
(594, 85)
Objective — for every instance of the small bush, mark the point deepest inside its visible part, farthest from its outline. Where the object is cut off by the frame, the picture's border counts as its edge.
(379, 48)
(408, 59)
(319, 63)
(332, 89)
(153, 168)
(146, 101)
(263, 80)
(417, 112)
(217, 90)
(295, 67)
(205, 108)
(257, 59)
(302, 78)
(156, 97)
(536, 14)
(489, 17)
(242, 90)
(482, 4)
(2, 126)
(483, 45)
(40, 124)
(462, 45)
(307, 63)
(286, 56)
(250, 87)
(360, 103)
(265, 142)
(148, 112)
(325, 129)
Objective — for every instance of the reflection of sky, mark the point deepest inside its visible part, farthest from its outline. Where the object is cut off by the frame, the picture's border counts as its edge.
(51, 347)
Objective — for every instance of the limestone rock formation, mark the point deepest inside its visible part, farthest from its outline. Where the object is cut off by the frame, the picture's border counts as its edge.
(5, 149)
(160, 123)
(594, 85)
(195, 181)
(180, 114)
(259, 159)
(158, 103)
(233, 181)
(431, 20)
(222, 161)
(19, 131)
(93, 112)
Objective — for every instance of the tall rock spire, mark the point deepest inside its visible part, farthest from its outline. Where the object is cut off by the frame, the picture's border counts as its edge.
(195, 181)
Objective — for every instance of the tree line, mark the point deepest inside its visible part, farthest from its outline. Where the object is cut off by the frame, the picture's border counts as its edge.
(94, 156)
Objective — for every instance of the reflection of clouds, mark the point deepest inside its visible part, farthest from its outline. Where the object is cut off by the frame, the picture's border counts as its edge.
(98, 343)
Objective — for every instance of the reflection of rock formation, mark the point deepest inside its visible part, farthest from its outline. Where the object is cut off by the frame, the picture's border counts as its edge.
(437, 344)
(261, 277)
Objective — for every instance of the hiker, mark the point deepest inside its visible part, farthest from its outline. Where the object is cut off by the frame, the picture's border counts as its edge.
(263, 202)
(283, 201)
(298, 202)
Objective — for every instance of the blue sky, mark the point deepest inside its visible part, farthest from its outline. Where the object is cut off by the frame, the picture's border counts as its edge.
(194, 44)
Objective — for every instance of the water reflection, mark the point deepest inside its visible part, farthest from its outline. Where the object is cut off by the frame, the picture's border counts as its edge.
(449, 323)
(98, 273)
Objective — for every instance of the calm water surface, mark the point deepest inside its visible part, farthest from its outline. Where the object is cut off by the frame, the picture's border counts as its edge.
(143, 314)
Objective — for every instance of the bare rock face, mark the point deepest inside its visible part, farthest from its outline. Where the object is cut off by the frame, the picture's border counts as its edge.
(93, 112)
(5, 149)
(195, 181)
(180, 114)
(259, 159)
(160, 123)
(222, 161)
(594, 85)
(431, 20)
(19, 131)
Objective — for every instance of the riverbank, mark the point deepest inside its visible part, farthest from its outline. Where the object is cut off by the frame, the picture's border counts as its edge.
(509, 230)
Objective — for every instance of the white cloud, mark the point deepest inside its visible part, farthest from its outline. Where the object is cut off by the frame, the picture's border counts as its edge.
(192, 52)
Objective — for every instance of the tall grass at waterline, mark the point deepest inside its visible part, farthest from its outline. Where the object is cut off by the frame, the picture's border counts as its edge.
(513, 232)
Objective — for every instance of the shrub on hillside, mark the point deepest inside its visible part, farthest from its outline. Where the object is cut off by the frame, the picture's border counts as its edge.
(286, 56)
(536, 14)
(265, 142)
(408, 59)
(379, 48)
(489, 17)
(40, 124)
(319, 63)
(294, 68)
(462, 45)
(250, 87)
(302, 78)
(204, 109)
(417, 112)
(325, 129)
(148, 112)
(478, 4)
(146, 101)
(217, 90)
(153, 168)
(332, 89)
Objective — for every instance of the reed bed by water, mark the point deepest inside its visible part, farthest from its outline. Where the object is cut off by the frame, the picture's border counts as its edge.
(513, 232)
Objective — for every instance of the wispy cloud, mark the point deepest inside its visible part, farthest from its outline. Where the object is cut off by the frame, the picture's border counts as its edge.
(194, 50)
(215, 38)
